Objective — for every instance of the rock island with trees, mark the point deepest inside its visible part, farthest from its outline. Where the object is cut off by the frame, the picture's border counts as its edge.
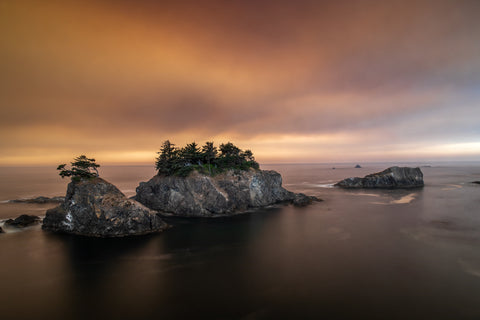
(227, 181)
(95, 207)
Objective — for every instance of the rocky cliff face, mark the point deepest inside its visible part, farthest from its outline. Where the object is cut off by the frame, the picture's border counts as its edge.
(205, 196)
(393, 177)
(97, 208)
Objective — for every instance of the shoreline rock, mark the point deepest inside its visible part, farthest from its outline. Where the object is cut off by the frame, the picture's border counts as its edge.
(95, 207)
(393, 177)
(39, 200)
(228, 193)
(23, 221)
(302, 200)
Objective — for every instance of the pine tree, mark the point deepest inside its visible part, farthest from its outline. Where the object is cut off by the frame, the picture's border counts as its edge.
(209, 152)
(167, 159)
(81, 168)
(191, 154)
(229, 155)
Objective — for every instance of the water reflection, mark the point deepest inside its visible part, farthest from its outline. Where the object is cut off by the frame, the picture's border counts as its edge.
(205, 263)
(210, 269)
(413, 257)
(108, 276)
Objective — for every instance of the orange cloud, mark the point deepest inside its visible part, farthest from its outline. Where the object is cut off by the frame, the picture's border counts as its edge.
(305, 81)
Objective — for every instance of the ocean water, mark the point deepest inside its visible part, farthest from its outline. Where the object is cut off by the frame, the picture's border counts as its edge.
(359, 254)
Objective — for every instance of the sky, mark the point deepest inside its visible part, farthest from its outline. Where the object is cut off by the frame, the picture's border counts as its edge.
(294, 81)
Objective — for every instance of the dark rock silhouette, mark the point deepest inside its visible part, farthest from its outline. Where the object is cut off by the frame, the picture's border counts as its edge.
(95, 207)
(393, 177)
(39, 200)
(23, 221)
(302, 200)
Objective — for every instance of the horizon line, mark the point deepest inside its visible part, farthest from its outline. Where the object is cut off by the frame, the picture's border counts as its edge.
(136, 164)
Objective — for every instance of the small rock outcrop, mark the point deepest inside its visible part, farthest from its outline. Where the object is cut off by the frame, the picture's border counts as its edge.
(302, 200)
(95, 207)
(39, 200)
(358, 166)
(231, 192)
(393, 177)
(23, 221)
(476, 182)
(1, 230)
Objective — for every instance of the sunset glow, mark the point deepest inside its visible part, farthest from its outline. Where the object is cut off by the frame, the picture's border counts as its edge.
(295, 81)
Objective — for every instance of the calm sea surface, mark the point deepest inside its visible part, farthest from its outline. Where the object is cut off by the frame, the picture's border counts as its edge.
(363, 254)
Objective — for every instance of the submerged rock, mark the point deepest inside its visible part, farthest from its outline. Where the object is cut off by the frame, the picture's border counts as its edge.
(302, 200)
(200, 195)
(393, 177)
(39, 200)
(23, 221)
(97, 208)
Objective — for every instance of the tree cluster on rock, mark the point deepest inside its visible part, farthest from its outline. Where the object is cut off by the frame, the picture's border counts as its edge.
(206, 159)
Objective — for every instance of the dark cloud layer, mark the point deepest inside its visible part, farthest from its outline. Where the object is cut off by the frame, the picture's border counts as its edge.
(121, 76)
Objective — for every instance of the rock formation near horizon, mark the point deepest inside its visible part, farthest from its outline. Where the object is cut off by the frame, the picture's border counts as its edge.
(393, 177)
(95, 207)
(230, 192)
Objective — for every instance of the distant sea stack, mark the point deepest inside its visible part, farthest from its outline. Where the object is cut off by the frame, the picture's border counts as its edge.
(227, 193)
(393, 177)
(95, 207)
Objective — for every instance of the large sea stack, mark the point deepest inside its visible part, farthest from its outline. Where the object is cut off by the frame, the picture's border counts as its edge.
(393, 177)
(95, 207)
(230, 192)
